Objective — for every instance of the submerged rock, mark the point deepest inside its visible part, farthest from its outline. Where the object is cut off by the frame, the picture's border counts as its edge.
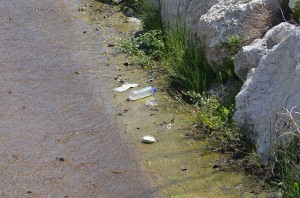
(269, 89)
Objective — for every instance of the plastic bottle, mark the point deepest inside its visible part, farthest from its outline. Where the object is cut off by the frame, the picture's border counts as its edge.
(142, 93)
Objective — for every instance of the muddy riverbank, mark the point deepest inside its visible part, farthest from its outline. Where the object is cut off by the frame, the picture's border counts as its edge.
(179, 165)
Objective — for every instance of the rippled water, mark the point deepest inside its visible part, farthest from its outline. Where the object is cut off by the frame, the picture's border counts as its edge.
(58, 136)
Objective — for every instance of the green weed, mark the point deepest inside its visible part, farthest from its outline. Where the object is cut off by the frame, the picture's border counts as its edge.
(231, 46)
(215, 120)
(141, 50)
(191, 70)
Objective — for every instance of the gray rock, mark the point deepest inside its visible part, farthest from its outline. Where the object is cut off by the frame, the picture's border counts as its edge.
(247, 19)
(213, 21)
(184, 11)
(292, 3)
(249, 56)
(269, 88)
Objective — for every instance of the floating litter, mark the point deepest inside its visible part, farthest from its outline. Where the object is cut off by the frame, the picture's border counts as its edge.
(125, 87)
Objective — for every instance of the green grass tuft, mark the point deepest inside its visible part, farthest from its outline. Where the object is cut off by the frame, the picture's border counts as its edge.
(190, 67)
(150, 15)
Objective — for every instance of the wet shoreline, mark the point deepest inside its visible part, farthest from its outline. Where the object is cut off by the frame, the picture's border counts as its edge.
(180, 165)
(59, 136)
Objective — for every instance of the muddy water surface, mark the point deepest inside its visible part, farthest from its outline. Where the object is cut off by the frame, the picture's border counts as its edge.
(58, 134)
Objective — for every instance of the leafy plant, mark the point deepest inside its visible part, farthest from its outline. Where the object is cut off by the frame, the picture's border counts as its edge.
(213, 115)
(296, 190)
(231, 46)
(152, 44)
(141, 50)
(215, 120)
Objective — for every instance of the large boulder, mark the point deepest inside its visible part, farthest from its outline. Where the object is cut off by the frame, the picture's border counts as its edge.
(214, 21)
(249, 56)
(271, 87)
(184, 11)
(247, 19)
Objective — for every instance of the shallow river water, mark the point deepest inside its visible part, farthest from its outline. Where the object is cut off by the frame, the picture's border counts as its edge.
(58, 133)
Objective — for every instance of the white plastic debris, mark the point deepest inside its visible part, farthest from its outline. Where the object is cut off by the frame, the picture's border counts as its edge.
(134, 20)
(151, 102)
(148, 139)
(125, 87)
(169, 126)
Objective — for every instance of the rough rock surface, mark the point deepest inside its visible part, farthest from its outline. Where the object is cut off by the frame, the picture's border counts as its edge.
(213, 21)
(292, 3)
(248, 19)
(249, 56)
(271, 87)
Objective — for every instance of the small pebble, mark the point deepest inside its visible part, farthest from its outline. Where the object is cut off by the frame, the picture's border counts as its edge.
(148, 139)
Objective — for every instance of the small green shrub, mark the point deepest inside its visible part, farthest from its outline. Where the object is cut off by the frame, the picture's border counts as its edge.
(296, 11)
(152, 44)
(213, 115)
(215, 120)
(141, 50)
(296, 190)
(231, 46)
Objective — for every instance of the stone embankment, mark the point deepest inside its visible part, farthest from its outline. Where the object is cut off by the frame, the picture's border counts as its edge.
(269, 62)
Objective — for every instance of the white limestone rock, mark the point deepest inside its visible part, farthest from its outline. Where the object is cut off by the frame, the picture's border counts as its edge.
(213, 21)
(247, 19)
(269, 88)
(249, 56)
